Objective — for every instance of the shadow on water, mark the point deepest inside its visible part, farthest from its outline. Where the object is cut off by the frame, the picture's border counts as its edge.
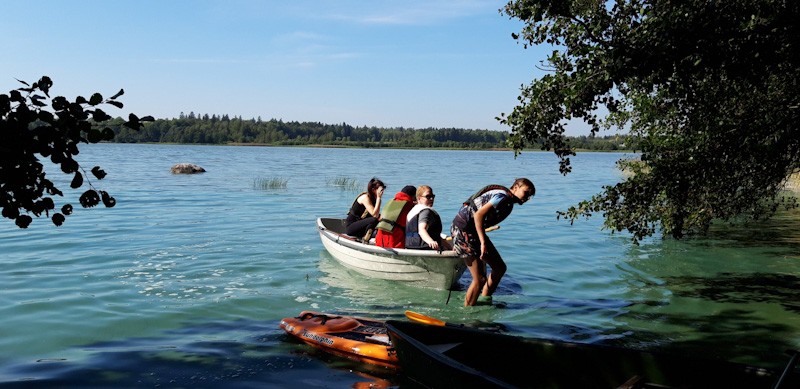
(723, 337)
(779, 233)
(732, 294)
(771, 288)
(272, 360)
(726, 322)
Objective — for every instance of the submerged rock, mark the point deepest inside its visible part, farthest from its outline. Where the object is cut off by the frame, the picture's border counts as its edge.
(186, 168)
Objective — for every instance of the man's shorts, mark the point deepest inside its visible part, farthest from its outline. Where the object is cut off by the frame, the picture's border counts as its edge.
(467, 244)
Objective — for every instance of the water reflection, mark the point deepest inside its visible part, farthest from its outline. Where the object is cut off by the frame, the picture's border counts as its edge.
(732, 294)
(370, 293)
(271, 360)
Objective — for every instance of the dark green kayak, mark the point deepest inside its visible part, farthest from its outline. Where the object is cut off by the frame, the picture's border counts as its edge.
(458, 357)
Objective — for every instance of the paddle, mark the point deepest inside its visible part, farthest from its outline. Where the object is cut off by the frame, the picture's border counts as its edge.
(425, 319)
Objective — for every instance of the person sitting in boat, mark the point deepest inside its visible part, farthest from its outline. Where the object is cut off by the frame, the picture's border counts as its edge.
(392, 225)
(486, 208)
(364, 213)
(423, 224)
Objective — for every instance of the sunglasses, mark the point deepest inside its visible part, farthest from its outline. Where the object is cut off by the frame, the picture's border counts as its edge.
(430, 196)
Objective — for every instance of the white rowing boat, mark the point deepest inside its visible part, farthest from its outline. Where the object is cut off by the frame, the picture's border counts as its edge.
(426, 268)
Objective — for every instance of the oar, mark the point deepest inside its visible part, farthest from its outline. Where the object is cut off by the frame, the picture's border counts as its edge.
(425, 319)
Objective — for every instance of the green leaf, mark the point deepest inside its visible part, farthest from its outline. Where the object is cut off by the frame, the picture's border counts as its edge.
(16, 96)
(44, 85)
(115, 103)
(46, 116)
(60, 103)
(96, 99)
(23, 221)
(37, 101)
(99, 173)
(77, 181)
(10, 212)
(58, 219)
(68, 165)
(120, 93)
(5, 104)
(94, 136)
(100, 116)
(108, 201)
(133, 122)
(108, 134)
(89, 199)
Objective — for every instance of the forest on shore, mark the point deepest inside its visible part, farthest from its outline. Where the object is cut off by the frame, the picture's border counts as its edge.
(214, 129)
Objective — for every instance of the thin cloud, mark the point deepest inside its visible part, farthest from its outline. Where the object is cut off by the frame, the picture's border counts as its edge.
(414, 13)
(299, 37)
(201, 61)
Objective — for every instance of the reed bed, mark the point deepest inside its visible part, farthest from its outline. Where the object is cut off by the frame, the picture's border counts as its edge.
(270, 183)
(345, 183)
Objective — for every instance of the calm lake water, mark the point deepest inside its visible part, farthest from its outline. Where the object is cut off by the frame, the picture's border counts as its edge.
(183, 283)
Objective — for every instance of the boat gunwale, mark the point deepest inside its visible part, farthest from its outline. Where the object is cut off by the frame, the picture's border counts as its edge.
(351, 242)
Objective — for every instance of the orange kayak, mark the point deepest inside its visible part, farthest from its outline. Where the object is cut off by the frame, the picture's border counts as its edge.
(357, 338)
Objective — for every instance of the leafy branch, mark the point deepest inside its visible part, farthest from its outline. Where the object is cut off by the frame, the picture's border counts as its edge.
(34, 126)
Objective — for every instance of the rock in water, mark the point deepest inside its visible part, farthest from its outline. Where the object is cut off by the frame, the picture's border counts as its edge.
(186, 168)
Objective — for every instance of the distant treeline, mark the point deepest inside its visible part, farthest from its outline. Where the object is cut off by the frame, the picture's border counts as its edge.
(223, 129)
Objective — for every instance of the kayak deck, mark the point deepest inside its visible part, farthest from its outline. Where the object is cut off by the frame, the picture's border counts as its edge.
(362, 339)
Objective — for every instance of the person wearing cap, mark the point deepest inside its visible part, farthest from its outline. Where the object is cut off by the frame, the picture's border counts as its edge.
(392, 226)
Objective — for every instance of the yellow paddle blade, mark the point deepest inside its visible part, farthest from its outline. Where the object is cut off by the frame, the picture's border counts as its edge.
(420, 318)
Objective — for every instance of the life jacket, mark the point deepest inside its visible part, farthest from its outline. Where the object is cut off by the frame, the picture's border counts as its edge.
(465, 215)
(413, 238)
(390, 215)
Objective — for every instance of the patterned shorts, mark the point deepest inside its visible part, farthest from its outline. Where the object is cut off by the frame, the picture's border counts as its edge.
(467, 244)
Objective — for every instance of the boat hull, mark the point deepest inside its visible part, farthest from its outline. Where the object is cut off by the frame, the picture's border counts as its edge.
(446, 356)
(426, 268)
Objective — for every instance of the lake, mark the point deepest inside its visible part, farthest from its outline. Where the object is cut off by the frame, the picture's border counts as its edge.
(184, 282)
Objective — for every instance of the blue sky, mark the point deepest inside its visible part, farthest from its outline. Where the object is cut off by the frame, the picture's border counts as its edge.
(376, 63)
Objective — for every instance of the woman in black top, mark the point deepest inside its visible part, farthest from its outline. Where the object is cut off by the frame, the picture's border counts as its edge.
(365, 211)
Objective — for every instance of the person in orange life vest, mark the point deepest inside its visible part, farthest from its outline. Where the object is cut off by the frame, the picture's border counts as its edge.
(363, 214)
(392, 226)
(486, 208)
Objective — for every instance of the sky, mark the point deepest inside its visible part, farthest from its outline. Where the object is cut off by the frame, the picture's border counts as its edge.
(411, 63)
